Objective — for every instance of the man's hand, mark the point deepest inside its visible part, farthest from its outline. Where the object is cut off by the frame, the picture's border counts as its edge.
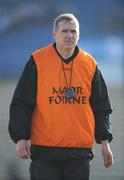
(23, 149)
(106, 153)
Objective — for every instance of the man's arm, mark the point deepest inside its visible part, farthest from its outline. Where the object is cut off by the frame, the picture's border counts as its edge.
(101, 107)
(23, 103)
(100, 104)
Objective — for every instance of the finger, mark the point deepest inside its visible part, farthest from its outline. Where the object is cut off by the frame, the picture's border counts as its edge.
(28, 151)
(22, 153)
(26, 156)
(105, 161)
(108, 161)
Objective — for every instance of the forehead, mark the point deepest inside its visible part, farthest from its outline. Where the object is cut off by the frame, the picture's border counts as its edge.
(67, 25)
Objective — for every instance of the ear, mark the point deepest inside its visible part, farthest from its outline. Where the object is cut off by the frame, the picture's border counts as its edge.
(54, 34)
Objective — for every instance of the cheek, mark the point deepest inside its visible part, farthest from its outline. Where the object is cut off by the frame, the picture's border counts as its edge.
(60, 40)
(57, 39)
(77, 37)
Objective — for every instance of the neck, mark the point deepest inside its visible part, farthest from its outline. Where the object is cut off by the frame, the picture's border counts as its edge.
(65, 53)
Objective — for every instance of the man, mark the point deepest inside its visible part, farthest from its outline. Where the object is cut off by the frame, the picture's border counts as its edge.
(59, 104)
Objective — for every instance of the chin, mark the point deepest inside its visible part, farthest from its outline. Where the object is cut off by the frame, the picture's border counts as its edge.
(70, 46)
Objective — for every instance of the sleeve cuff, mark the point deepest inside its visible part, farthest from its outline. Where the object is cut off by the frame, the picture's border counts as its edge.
(108, 137)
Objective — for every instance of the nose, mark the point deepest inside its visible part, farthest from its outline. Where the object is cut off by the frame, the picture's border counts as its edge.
(69, 34)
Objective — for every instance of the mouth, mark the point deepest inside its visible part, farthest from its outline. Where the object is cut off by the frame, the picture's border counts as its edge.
(69, 42)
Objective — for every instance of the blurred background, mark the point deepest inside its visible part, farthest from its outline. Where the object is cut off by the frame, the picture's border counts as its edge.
(26, 25)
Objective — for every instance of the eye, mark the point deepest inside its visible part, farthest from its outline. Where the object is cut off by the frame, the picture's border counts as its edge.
(65, 31)
(73, 31)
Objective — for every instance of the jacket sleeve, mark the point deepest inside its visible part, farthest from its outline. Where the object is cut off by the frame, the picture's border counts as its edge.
(23, 103)
(101, 107)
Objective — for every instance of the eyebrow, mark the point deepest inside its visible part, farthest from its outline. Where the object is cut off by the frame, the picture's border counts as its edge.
(72, 30)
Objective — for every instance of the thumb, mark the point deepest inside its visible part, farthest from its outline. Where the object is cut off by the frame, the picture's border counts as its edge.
(28, 149)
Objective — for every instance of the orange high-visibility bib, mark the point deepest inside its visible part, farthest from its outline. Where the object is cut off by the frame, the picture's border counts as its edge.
(57, 121)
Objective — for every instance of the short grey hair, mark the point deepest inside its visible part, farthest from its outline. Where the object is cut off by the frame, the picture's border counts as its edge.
(66, 17)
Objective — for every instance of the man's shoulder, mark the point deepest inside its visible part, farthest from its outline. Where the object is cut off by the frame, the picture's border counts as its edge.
(87, 55)
(42, 49)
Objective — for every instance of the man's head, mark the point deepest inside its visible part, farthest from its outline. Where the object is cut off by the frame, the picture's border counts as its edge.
(66, 31)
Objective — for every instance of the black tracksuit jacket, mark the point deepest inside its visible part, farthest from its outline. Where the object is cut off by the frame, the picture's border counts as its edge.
(23, 104)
